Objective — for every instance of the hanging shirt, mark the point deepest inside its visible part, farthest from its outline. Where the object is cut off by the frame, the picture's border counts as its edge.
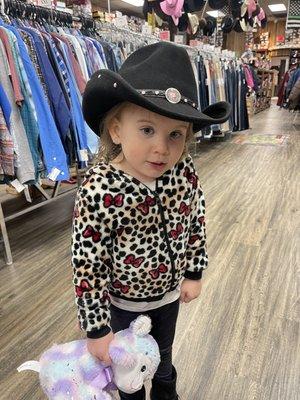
(58, 103)
(76, 71)
(80, 55)
(25, 171)
(14, 76)
(53, 152)
(27, 108)
(6, 149)
(101, 53)
(5, 105)
(78, 122)
(34, 59)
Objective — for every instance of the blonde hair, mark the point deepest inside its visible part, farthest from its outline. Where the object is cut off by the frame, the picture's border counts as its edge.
(108, 150)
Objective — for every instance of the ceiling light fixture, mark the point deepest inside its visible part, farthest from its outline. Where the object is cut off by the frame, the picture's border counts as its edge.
(277, 7)
(215, 13)
(136, 3)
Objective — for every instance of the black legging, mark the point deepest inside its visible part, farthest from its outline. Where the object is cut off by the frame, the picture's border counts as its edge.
(163, 330)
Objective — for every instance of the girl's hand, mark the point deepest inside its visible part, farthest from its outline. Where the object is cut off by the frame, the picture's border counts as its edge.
(190, 290)
(99, 348)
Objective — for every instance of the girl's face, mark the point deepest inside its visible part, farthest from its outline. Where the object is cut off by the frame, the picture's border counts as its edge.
(151, 143)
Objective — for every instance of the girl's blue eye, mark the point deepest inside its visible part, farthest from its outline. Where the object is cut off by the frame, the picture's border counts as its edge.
(147, 131)
(176, 135)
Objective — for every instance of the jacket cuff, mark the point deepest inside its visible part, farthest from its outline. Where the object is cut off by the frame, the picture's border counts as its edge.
(194, 276)
(98, 333)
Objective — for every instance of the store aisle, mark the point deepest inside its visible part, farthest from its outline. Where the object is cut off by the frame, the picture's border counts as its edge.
(240, 339)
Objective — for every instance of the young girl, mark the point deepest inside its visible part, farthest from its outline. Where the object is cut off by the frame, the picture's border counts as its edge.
(139, 244)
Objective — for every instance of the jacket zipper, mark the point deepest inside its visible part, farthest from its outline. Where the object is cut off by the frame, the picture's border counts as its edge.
(161, 211)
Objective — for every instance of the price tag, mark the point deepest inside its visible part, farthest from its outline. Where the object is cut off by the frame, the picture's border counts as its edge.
(179, 39)
(45, 3)
(84, 156)
(165, 35)
(17, 185)
(54, 174)
(27, 194)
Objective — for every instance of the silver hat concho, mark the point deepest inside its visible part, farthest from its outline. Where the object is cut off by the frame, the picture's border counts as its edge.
(173, 95)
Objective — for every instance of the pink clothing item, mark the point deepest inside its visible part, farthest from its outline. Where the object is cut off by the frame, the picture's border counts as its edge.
(81, 82)
(261, 15)
(251, 7)
(13, 73)
(249, 77)
(172, 8)
(248, 5)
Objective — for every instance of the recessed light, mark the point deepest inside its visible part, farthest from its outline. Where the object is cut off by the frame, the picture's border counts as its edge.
(215, 13)
(277, 7)
(136, 3)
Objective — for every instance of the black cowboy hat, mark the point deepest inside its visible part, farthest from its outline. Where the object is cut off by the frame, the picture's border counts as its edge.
(235, 6)
(210, 27)
(202, 23)
(158, 77)
(237, 26)
(227, 24)
(193, 5)
(217, 4)
(183, 23)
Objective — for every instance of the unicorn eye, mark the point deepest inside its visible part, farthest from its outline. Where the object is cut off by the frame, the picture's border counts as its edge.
(143, 369)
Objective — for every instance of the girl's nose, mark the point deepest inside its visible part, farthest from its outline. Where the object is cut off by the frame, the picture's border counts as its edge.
(161, 146)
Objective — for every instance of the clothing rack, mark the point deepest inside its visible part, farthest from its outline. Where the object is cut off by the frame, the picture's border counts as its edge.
(111, 28)
(17, 9)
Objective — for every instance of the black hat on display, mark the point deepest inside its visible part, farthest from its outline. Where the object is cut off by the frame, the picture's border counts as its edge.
(210, 26)
(237, 26)
(244, 22)
(227, 24)
(193, 5)
(183, 23)
(202, 23)
(158, 77)
(251, 22)
(236, 7)
(216, 4)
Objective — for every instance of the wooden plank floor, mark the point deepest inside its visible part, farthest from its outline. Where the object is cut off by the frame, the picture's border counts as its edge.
(240, 340)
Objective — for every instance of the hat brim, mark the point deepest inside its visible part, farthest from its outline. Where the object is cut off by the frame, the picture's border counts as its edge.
(102, 94)
(227, 24)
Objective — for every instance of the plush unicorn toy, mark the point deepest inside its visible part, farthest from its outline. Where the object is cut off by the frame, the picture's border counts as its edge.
(69, 372)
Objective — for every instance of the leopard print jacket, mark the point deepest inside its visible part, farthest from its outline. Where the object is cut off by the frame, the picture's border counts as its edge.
(132, 242)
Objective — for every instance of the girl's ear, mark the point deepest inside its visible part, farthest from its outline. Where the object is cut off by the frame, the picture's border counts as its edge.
(114, 130)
